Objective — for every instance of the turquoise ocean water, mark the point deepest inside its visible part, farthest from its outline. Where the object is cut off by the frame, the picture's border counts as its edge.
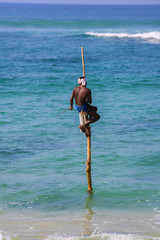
(42, 174)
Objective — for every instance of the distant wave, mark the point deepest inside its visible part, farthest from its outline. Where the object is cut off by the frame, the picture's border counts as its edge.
(149, 35)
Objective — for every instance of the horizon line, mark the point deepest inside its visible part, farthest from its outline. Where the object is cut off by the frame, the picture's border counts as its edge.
(112, 4)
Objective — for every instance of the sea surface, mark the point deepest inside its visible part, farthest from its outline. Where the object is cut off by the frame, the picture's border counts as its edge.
(43, 183)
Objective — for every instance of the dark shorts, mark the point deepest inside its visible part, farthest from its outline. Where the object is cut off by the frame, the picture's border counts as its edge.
(84, 108)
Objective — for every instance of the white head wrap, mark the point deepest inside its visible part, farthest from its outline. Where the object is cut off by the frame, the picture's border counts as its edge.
(82, 81)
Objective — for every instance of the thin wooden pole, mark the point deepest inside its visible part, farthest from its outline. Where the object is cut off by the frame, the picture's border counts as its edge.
(88, 169)
(83, 62)
(88, 162)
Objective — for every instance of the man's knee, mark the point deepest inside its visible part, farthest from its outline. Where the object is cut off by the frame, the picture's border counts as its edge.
(98, 116)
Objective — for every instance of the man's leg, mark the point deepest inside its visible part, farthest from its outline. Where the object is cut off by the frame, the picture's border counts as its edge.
(93, 115)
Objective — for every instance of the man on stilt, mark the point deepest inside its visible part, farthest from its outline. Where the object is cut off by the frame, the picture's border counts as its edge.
(83, 99)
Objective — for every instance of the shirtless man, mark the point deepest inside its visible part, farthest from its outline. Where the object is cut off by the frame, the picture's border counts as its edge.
(83, 98)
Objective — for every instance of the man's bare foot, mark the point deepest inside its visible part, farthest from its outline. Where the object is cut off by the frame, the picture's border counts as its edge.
(82, 128)
(88, 130)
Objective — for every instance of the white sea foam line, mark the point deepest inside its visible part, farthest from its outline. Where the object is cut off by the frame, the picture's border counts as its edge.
(149, 35)
(156, 210)
(157, 216)
(107, 236)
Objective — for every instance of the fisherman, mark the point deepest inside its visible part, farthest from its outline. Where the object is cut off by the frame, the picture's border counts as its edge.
(83, 99)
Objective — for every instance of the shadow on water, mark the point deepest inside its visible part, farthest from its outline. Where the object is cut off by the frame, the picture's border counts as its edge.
(87, 226)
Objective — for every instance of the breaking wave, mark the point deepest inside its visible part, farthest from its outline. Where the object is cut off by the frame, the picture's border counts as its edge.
(104, 236)
(149, 35)
(100, 236)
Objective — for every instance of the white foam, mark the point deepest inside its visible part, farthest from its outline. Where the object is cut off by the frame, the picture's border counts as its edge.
(149, 35)
(104, 236)
(6, 236)
(156, 210)
(1, 236)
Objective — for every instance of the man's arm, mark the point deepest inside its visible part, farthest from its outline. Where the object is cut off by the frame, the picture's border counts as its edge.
(71, 100)
(89, 97)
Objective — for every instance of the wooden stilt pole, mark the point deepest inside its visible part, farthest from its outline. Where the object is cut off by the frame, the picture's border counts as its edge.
(83, 62)
(88, 169)
(88, 162)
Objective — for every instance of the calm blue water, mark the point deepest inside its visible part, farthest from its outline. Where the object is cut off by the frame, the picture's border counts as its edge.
(42, 155)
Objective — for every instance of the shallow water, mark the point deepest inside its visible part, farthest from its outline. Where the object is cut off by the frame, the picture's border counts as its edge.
(88, 224)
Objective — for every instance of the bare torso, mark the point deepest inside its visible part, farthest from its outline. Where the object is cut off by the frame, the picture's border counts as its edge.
(82, 95)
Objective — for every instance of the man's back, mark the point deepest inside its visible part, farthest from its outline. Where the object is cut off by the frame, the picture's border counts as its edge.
(82, 95)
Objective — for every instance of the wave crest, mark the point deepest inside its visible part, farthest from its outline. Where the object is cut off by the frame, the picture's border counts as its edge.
(149, 35)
